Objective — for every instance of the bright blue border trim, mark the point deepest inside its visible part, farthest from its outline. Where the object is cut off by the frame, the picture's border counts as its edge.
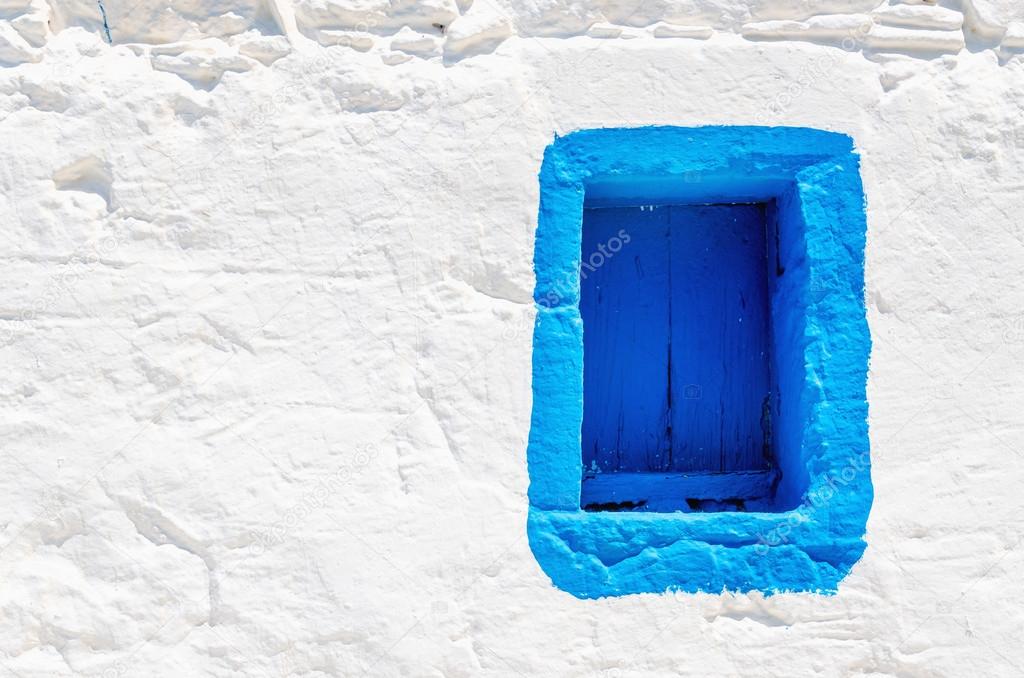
(814, 176)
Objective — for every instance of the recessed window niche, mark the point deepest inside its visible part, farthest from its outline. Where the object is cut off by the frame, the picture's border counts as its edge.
(678, 392)
(700, 359)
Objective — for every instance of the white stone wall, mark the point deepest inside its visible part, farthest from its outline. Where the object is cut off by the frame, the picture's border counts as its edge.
(266, 311)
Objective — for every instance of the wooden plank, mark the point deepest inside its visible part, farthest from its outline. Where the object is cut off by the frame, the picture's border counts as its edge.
(720, 339)
(676, 491)
(624, 302)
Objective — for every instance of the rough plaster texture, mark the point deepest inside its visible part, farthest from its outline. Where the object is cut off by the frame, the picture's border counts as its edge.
(266, 321)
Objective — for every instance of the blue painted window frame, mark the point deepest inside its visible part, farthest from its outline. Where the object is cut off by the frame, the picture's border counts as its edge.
(813, 175)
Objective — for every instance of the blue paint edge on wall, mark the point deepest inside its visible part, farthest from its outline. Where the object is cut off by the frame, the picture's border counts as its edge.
(815, 175)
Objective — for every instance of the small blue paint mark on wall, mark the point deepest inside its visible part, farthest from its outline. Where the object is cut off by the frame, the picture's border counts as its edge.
(700, 361)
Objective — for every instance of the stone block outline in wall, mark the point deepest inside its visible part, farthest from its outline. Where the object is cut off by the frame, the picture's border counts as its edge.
(813, 531)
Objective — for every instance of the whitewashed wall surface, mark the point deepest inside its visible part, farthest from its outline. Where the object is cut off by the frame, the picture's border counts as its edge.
(266, 319)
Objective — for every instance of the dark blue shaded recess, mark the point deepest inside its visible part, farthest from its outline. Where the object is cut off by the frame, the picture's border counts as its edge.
(700, 359)
(676, 346)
